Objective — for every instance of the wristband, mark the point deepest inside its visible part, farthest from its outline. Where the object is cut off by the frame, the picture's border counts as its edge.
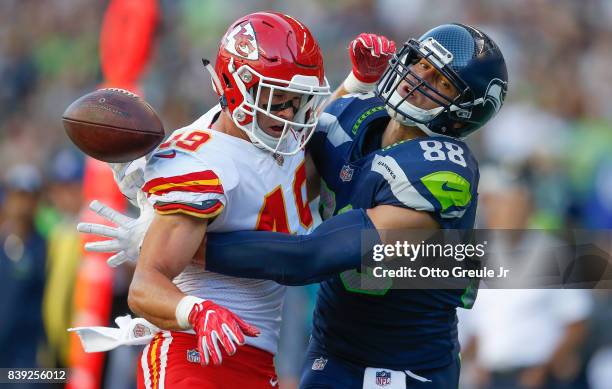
(183, 309)
(353, 85)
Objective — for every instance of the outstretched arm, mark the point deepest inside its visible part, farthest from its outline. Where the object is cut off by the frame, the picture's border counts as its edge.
(334, 246)
(331, 248)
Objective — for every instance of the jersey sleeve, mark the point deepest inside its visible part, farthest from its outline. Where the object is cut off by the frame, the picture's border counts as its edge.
(191, 183)
(406, 178)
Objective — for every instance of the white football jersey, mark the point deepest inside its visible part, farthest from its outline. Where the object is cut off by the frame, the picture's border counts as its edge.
(205, 173)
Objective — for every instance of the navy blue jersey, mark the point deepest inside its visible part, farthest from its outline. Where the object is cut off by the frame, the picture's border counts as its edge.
(398, 329)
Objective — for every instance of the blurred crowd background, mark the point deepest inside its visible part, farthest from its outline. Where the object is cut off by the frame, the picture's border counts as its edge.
(545, 163)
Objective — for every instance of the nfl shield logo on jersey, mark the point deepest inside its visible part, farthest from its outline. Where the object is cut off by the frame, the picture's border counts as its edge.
(319, 363)
(383, 378)
(346, 174)
(193, 356)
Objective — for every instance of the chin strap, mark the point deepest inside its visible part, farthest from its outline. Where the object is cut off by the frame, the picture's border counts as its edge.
(411, 123)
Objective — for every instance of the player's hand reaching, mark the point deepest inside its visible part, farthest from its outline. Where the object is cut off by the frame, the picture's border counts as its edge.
(215, 324)
(370, 54)
(125, 238)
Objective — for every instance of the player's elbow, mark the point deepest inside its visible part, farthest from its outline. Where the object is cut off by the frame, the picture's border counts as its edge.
(137, 296)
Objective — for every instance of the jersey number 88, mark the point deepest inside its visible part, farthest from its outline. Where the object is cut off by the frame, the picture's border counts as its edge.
(434, 151)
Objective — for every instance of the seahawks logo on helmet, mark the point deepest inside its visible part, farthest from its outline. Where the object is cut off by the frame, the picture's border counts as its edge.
(496, 92)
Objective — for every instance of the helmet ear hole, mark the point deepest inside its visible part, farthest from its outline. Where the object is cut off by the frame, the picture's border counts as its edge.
(227, 82)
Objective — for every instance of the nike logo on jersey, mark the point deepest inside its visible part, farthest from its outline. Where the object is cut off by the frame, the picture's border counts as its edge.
(273, 382)
(449, 188)
(166, 154)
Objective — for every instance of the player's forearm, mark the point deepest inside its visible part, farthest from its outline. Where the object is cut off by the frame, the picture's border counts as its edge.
(168, 248)
(154, 297)
(332, 247)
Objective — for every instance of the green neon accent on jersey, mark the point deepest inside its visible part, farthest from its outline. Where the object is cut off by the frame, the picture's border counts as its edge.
(345, 209)
(395, 144)
(364, 116)
(354, 282)
(449, 188)
(469, 294)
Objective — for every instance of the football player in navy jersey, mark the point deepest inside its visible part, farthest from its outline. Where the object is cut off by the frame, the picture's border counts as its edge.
(392, 158)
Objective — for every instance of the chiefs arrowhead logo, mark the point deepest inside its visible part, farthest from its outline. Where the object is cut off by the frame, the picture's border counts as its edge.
(242, 42)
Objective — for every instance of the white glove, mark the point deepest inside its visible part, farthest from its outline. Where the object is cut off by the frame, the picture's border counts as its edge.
(129, 177)
(126, 238)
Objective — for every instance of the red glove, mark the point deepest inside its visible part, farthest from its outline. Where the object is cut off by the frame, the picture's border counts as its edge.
(370, 54)
(213, 323)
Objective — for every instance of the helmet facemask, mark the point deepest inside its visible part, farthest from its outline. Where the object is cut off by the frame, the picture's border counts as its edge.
(401, 68)
(295, 132)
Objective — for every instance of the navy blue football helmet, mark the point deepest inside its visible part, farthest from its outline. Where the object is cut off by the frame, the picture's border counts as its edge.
(469, 59)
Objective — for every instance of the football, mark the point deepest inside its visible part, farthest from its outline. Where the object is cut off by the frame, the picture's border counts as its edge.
(113, 125)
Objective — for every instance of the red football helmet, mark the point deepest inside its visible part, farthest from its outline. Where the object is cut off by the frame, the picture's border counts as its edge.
(275, 51)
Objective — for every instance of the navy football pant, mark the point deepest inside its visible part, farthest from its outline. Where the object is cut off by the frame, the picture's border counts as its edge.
(324, 371)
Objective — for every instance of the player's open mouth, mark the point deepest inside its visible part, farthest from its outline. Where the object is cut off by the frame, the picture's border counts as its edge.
(275, 131)
(408, 90)
(412, 95)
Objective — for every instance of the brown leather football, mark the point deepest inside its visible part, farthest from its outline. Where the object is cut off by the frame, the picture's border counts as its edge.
(113, 125)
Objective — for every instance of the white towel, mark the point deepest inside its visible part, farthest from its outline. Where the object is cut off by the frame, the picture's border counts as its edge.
(131, 332)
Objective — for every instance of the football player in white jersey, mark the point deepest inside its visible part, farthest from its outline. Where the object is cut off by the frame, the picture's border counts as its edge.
(238, 167)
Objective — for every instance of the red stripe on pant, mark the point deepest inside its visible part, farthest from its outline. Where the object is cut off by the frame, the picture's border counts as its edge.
(150, 367)
(171, 361)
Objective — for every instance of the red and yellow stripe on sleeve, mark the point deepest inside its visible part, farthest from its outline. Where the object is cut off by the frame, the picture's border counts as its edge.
(205, 210)
(197, 182)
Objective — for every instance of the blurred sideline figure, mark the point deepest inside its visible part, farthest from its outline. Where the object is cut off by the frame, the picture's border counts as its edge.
(599, 342)
(64, 251)
(22, 269)
(529, 338)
